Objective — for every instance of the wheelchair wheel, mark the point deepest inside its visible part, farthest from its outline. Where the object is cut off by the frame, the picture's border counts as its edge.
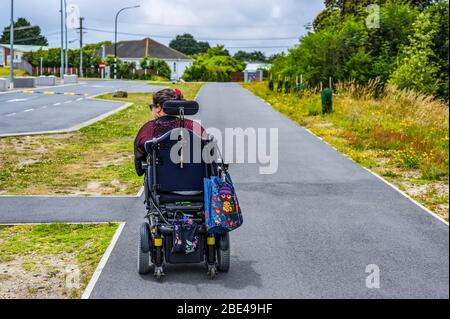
(143, 260)
(224, 255)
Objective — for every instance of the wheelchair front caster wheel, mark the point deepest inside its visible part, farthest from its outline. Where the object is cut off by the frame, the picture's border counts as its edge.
(212, 272)
(159, 273)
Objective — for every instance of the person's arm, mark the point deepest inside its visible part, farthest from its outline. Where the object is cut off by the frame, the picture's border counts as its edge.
(140, 155)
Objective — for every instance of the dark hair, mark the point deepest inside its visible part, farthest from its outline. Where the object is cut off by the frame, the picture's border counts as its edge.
(166, 95)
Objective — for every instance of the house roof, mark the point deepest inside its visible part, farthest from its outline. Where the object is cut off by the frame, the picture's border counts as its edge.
(24, 48)
(138, 49)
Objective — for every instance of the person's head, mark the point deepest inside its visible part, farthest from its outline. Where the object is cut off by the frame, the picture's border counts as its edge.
(162, 96)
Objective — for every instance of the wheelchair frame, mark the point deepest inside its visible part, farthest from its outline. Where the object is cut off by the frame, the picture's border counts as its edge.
(156, 234)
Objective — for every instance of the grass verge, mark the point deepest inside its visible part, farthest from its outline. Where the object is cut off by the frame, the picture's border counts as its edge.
(400, 135)
(37, 261)
(4, 72)
(96, 160)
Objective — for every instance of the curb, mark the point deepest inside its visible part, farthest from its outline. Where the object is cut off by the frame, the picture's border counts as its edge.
(98, 271)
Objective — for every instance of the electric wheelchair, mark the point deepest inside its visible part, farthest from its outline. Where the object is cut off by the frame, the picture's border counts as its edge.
(176, 165)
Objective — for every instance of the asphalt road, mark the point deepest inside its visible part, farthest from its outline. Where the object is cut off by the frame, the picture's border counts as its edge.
(36, 112)
(310, 230)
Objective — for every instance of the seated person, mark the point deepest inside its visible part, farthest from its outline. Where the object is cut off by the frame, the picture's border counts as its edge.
(161, 124)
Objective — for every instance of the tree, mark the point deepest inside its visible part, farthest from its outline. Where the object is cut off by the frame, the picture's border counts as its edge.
(425, 66)
(215, 65)
(255, 56)
(187, 44)
(24, 33)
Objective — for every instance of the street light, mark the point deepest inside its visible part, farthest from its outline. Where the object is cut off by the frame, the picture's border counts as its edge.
(65, 26)
(11, 43)
(115, 39)
(62, 42)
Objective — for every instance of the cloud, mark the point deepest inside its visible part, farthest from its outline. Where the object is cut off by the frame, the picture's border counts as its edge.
(205, 19)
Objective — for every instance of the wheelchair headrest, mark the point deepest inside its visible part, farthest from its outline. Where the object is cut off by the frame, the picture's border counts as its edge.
(174, 107)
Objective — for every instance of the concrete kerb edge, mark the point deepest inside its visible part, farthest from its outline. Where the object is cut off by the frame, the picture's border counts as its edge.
(98, 271)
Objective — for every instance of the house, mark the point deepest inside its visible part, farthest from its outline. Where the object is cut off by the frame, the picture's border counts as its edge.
(135, 51)
(19, 51)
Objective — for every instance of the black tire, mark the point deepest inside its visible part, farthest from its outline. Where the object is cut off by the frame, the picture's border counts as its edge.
(224, 256)
(143, 260)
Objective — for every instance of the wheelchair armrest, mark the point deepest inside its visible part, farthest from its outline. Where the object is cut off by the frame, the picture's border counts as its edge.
(144, 165)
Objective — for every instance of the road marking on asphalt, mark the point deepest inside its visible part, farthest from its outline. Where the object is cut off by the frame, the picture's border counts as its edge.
(80, 99)
(16, 100)
(90, 287)
(43, 107)
(385, 181)
(67, 102)
(29, 110)
(10, 114)
(56, 104)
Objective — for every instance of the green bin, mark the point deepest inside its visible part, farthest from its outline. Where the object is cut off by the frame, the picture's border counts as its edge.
(327, 100)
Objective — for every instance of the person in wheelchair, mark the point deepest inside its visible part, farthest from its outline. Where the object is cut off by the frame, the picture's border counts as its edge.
(161, 124)
(174, 188)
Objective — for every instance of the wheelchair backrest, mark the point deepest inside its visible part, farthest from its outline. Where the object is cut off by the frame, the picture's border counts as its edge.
(177, 165)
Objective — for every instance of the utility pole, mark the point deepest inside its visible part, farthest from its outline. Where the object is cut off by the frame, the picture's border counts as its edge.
(81, 47)
(11, 49)
(62, 42)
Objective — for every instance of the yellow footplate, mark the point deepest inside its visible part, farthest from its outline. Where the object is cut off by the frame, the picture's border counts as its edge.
(158, 242)
(211, 241)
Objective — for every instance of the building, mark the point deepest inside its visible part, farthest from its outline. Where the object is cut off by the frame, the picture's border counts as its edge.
(19, 51)
(135, 51)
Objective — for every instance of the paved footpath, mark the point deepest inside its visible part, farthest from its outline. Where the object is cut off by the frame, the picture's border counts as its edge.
(310, 230)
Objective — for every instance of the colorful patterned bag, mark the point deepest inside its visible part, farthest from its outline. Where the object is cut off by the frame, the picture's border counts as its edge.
(222, 210)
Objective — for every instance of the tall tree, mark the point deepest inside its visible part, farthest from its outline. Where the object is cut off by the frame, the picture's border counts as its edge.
(255, 56)
(24, 33)
(187, 44)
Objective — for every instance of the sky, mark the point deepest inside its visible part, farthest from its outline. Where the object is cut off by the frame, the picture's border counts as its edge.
(267, 25)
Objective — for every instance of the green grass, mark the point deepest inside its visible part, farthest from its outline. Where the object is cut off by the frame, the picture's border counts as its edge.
(403, 135)
(82, 244)
(98, 159)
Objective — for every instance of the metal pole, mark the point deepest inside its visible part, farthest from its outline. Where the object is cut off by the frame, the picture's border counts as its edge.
(115, 38)
(62, 43)
(42, 60)
(65, 26)
(81, 47)
(11, 48)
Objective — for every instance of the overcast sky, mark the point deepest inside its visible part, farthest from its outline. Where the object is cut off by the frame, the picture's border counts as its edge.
(261, 23)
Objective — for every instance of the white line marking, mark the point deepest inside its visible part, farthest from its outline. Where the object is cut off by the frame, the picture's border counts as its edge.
(29, 110)
(141, 191)
(16, 100)
(43, 107)
(90, 287)
(407, 196)
(385, 181)
(10, 114)
(80, 99)
(56, 104)
(376, 175)
(67, 102)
